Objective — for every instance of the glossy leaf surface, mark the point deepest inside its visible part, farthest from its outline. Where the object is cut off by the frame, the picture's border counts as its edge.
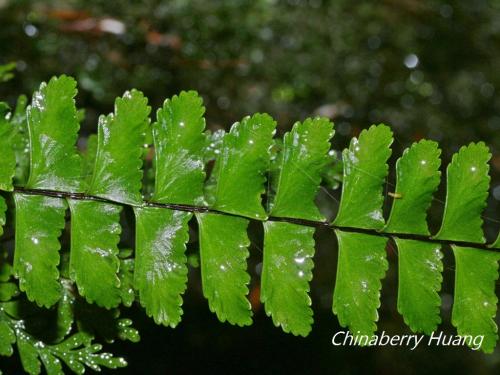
(420, 267)
(76, 352)
(361, 265)
(418, 178)
(240, 168)
(466, 194)
(94, 263)
(299, 168)
(39, 223)
(7, 339)
(179, 145)
(53, 130)
(286, 273)
(160, 262)
(223, 256)
(475, 301)
(121, 136)
(365, 170)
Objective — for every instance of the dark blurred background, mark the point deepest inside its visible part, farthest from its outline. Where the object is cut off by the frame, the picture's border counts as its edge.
(427, 68)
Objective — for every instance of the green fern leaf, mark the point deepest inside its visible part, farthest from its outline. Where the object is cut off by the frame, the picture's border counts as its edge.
(475, 302)
(160, 265)
(53, 130)
(121, 136)
(28, 355)
(300, 165)
(76, 352)
(94, 259)
(7, 339)
(420, 279)
(39, 223)
(286, 273)
(365, 170)
(241, 165)
(8, 158)
(361, 265)
(418, 178)
(179, 143)
(3, 209)
(223, 253)
(466, 194)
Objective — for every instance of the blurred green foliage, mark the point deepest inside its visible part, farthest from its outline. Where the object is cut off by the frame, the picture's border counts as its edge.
(427, 68)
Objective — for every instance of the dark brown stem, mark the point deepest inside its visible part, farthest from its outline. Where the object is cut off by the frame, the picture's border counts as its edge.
(204, 209)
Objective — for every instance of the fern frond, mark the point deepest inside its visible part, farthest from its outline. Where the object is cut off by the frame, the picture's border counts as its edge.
(109, 175)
